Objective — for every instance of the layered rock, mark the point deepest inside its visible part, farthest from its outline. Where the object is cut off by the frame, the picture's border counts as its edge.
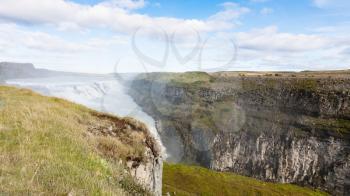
(281, 129)
(148, 173)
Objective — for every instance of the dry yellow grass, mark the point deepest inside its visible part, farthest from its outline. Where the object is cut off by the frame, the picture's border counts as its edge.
(303, 74)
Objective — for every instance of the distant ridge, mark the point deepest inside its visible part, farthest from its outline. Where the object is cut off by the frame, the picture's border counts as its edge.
(11, 70)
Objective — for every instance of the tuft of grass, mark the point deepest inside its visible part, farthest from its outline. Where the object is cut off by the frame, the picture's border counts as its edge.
(306, 84)
(193, 180)
(45, 148)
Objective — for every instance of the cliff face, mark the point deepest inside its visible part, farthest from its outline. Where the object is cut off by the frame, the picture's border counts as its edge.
(281, 129)
(149, 174)
(142, 155)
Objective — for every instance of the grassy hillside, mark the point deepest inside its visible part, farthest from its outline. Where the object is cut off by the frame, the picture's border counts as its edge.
(52, 146)
(192, 180)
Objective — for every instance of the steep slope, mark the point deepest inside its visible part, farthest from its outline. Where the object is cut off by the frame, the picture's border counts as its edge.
(51, 146)
(193, 180)
(280, 127)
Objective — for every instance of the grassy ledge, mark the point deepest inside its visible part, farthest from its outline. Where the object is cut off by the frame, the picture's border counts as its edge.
(51, 146)
(192, 180)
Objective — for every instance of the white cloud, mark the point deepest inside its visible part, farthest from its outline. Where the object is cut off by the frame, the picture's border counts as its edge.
(346, 51)
(271, 40)
(321, 3)
(231, 11)
(259, 49)
(340, 4)
(115, 14)
(267, 47)
(270, 49)
(157, 4)
(338, 30)
(259, 1)
(15, 37)
(127, 4)
(266, 11)
(82, 48)
(76, 52)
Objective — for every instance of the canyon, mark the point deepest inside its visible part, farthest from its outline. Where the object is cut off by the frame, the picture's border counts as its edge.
(283, 127)
(278, 127)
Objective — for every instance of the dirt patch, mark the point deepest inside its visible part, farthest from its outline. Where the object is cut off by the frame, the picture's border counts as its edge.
(122, 138)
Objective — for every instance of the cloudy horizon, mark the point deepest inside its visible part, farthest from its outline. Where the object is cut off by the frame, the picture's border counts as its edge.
(104, 36)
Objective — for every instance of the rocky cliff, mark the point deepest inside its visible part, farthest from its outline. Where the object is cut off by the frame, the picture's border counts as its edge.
(281, 127)
(145, 164)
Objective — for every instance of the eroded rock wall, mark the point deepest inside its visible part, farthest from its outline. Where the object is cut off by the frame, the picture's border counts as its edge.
(291, 130)
(148, 173)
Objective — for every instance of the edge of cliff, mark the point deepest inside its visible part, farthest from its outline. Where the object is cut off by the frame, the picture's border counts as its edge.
(52, 146)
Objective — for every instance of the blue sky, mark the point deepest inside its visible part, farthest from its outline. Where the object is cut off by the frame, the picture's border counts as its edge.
(102, 36)
(296, 16)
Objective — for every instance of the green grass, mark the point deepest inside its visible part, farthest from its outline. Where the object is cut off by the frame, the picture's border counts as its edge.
(340, 126)
(45, 148)
(192, 78)
(306, 84)
(192, 180)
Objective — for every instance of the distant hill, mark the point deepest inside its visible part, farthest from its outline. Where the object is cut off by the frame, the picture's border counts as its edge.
(10, 70)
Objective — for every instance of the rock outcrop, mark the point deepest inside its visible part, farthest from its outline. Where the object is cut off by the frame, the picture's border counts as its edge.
(289, 129)
(149, 173)
(146, 166)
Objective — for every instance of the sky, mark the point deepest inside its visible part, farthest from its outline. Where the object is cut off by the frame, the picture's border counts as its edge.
(105, 36)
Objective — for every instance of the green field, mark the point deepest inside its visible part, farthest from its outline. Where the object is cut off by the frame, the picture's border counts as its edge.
(192, 180)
